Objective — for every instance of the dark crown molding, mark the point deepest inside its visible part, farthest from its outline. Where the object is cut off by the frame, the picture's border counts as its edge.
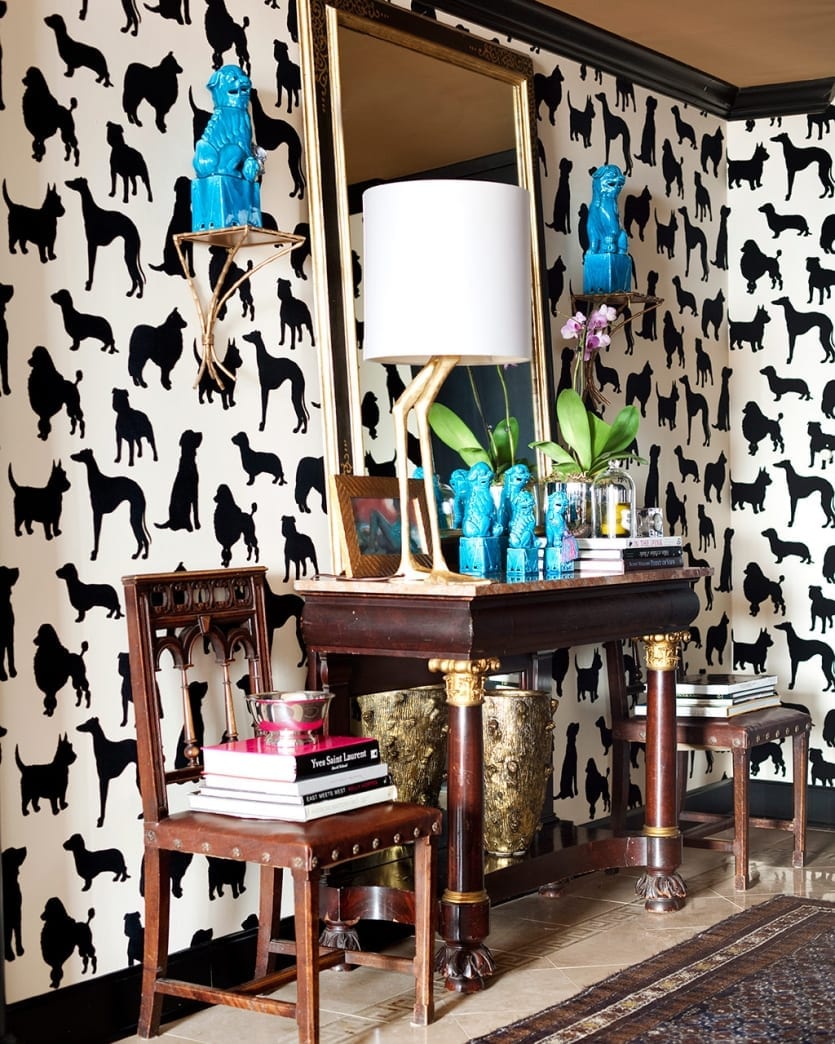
(562, 34)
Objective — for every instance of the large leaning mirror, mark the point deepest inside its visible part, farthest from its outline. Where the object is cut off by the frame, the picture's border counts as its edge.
(393, 95)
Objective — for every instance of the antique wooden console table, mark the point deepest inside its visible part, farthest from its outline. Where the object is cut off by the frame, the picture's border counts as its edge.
(360, 633)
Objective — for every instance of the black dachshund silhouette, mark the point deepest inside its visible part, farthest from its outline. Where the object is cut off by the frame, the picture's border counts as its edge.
(799, 323)
(258, 462)
(132, 426)
(310, 477)
(50, 392)
(9, 576)
(55, 665)
(40, 503)
(84, 597)
(81, 327)
(48, 781)
(112, 758)
(126, 163)
(161, 345)
(779, 223)
(780, 386)
(13, 859)
(298, 549)
(231, 524)
(61, 936)
(107, 492)
(89, 864)
(274, 371)
(77, 55)
(183, 511)
(36, 225)
(156, 85)
(786, 548)
(44, 116)
(101, 228)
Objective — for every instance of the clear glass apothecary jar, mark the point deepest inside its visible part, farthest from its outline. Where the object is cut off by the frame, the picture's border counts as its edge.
(613, 503)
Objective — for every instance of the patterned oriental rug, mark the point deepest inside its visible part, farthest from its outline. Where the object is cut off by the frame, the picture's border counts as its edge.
(763, 975)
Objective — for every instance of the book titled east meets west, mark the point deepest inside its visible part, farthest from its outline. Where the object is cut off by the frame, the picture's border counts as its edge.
(257, 759)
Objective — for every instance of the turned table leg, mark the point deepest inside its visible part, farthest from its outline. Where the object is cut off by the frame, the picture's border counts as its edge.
(464, 920)
(660, 886)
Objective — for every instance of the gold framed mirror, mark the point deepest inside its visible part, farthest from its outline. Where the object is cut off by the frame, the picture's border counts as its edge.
(390, 94)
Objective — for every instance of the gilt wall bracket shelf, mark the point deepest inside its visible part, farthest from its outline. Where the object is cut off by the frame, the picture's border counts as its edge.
(232, 240)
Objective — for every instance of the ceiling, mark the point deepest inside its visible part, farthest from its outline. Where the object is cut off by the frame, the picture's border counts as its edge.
(748, 43)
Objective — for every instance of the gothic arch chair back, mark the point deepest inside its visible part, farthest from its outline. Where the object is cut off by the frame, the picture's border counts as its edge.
(186, 623)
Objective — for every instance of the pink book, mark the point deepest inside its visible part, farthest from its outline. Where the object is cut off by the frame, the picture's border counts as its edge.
(261, 760)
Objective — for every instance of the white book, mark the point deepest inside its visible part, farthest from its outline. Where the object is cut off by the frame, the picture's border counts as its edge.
(329, 787)
(282, 810)
(589, 543)
(717, 710)
(296, 788)
(718, 684)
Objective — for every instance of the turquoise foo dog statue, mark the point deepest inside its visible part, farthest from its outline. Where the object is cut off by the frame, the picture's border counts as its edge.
(607, 265)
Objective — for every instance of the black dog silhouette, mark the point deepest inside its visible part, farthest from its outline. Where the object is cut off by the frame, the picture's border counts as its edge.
(225, 277)
(798, 159)
(279, 609)
(112, 758)
(597, 788)
(703, 205)
(704, 365)
(288, 77)
(779, 223)
(61, 936)
(84, 597)
(9, 575)
(684, 130)
(802, 650)
(671, 169)
(132, 16)
(310, 477)
(752, 652)
(665, 236)
(588, 678)
(161, 345)
(270, 133)
(231, 524)
(258, 462)
(684, 299)
(580, 121)
(101, 228)
(50, 392)
(107, 492)
(298, 548)
(568, 772)
(548, 91)
(293, 314)
(156, 85)
(224, 385)
(713, 311)
(667, 406)
(44, 116)
(751, 493)
(562, 200)
(756, 427)
(614, 128)
(36, 225)
(180, 862)
(40, 503)
(754, 264)
(605, 734)
(177, 11)
(711, 151)
(183, 511)
(80, 327)
(822, 608)
(750, 170)
(272, 373)
(136, 936)
(223, 872)
(55, 666)
(786, 548)
(299, 254)
(180, 222)
(802, 486)
(639, 388)
(126, 163)
(89, 864)
(224, 33)
(757, 588)
(48, 781)
(132, 426)
(695, 405)
(751, 332)
(716, 638)
(695, 242)
(823, 771)
(77, 55)
(762, 752)
(6, 294)
(126, 693)
(647, 153)
(799, 323)
(820, 279)
(674, 510)
(780, 386)
(820, 441)
(636, 210)
(12, 902)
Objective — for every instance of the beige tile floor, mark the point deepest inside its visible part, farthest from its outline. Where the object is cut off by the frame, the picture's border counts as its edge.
(545, 951)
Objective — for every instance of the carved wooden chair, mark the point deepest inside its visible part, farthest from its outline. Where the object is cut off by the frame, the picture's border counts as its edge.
(216, 619)
(738, 735)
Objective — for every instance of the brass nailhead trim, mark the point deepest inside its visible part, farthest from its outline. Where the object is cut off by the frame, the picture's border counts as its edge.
(236, 852)
(416, 832)
(314, 862)
(396, 839)
(265, 857)
(436, 828)
(356, 849)
(375, 843)
(335, 854)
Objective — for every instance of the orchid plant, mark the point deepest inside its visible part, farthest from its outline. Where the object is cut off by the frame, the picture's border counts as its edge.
(592, 333)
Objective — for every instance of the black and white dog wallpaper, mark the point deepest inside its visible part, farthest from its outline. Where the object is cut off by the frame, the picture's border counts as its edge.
(116, 463)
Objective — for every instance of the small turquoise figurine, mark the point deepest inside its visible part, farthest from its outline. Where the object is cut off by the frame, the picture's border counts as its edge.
(518, 501)
(228, 163)
(560, 545)
(479, 549)
(460, 488)
(607, 265)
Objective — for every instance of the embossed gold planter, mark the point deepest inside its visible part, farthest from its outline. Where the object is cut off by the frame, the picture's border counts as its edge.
(517, 727)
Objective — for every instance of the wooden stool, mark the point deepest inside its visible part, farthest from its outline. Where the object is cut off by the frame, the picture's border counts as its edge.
(217, 619)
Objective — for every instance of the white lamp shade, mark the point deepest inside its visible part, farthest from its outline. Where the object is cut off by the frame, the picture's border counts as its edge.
(447, 271)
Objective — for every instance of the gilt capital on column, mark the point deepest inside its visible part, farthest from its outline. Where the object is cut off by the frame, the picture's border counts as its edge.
(662, 650)
(464, 679)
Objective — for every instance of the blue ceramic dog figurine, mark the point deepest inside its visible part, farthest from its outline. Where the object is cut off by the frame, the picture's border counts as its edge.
(607, 266)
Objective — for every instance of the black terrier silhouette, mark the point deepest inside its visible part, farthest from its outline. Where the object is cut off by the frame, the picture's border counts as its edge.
(580, 121)
(48, 781)
(674, 510)
(80, 327)
(779, 223)
(225, 380)
(803, 649)
(40, 503)
(713, 311)
(751, 332)
(136, 937)
(780, 386)
(288, 77)
(754, 264)
(548, 91)
(107, 492)
(161, 345)
(36, 225)
(757, 588)
(274, 371)
(223, 33)
(753, 653)
(225, 277)
(231, 524)
(665, 236)
(711, 151)
(270, 133)
(89, 864)
(756, 427)
(112, 758)
(226, 872)
(12, 902)
(183, 511)
(716, 638)
(61, 936)
(77, 55)
(639, 388)
(798, 158)
(180, 222)
(279, 609)
(786, 548)
(671, 169)
(55, 666)
(101, 228)
(588, 678)
(568, 771)
(751, 493)
(822, 608)
(9, 576)
(258, 462)
(293, 314)
(310, 477)
(156, 85)
(6, 294)
(126, 693)
(799, 323)
(802, 486)
(49, 392)
(298, 548)
(126, 163)
(132, 426)
(750, 170)
(614, 128)
(84, 597)
(44, 116)
(597, 788)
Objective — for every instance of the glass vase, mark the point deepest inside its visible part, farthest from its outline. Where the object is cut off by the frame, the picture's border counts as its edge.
(578, 514)
(613, 503)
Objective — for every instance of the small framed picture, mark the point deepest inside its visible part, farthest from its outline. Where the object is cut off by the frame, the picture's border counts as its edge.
(371, 521)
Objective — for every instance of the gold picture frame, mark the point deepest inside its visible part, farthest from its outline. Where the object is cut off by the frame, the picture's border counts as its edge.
(370, 518)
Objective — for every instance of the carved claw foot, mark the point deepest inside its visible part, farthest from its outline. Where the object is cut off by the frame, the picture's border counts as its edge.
(662, 893)
(341, 935)
(465, 968)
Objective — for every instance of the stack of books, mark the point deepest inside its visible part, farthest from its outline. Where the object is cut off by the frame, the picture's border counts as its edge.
(722, 695)
(613, 555)
(257, 780)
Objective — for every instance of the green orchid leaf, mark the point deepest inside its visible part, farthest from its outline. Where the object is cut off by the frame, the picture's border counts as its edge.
(505, 442)
(623, 430)
(575, 428)
(452, 431)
